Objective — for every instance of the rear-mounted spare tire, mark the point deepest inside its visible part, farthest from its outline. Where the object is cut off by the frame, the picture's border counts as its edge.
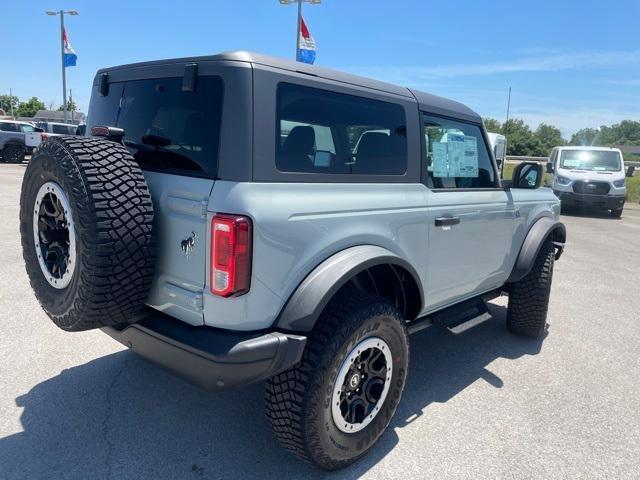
(86, 225)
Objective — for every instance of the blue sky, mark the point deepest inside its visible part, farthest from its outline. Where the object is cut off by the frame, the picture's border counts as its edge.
(570, 63)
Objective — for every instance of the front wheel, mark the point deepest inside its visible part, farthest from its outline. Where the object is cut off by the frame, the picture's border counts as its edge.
(616, 212)
(529, 297)
(332, 408)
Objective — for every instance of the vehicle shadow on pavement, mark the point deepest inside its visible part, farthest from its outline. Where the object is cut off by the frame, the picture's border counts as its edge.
(121, 417)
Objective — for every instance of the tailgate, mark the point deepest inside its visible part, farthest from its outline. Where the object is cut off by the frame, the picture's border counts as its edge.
(32, 139)
(180, 231)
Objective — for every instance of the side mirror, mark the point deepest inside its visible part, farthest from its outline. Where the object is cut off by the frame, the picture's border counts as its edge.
(39, 130)
(322, 158)
(527, 175)
(549, 167)
(630, 171)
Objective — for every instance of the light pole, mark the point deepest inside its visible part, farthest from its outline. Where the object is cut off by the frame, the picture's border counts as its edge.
(299, 2)
(64, 73)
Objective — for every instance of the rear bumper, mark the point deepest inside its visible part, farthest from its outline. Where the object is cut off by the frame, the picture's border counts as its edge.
(210, 358)
(599, 201)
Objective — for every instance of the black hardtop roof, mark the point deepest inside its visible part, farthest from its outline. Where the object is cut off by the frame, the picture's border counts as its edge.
(428, 102)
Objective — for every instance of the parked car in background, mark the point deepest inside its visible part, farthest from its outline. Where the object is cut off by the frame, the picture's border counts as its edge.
(499, 148)
(17, 139)
(589, 177)
(57, 128)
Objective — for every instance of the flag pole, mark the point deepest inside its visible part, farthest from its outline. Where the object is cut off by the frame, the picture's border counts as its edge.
(64, 73)
(298, 30)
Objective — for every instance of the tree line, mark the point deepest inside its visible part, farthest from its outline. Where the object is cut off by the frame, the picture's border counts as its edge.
(522, 140)
(29, 107)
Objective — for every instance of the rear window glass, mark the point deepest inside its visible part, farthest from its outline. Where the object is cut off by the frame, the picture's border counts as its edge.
(327, 132)
(104, 110)
(168, 129)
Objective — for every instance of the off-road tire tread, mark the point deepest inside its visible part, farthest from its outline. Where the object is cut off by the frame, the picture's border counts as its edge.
(529, 297)
(21, 154)
(286, 393)
(113, 217)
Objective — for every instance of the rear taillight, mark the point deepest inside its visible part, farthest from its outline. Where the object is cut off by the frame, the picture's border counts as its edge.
(230, 255)
(43, 137)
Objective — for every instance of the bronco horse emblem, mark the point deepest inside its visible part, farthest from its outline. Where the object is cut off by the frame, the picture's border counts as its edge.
(188, 243)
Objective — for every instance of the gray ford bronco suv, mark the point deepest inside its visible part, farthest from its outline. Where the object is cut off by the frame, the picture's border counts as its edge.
(238, 218)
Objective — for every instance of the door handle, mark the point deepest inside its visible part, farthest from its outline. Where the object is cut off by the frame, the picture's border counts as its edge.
(447, 221)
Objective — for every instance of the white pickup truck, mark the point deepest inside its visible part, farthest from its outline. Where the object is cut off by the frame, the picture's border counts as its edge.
(17, 139)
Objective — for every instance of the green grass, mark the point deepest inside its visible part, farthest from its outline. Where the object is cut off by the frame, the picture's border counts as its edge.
(633, 188)
(633, 183)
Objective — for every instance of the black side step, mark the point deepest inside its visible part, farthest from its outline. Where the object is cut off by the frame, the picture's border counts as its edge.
(462, 317)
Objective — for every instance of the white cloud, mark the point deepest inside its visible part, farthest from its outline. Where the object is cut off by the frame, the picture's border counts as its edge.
(555, 62)
(602, 107)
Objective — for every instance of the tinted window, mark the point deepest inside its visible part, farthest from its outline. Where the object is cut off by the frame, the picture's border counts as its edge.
(63, 129)
(104, 110)
(327, 132)
(8, 127)
(168, 129)
(456, 155)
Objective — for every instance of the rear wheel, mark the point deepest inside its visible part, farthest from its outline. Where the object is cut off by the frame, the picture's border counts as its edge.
(529, 297)
(86, 225)
(13, 154)
(333, 407)
(616, 212)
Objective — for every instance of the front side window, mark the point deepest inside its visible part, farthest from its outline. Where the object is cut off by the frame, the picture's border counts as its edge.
(598, 160)
(171, 130)
(319, 131)
(456, 155)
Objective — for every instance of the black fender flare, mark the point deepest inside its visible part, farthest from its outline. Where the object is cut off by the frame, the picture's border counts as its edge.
(538, 233)
(307, 302)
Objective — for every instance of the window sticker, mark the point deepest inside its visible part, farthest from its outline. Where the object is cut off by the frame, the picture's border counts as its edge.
(455, 150)
(457, 157)
(439, 163)
(469, 165)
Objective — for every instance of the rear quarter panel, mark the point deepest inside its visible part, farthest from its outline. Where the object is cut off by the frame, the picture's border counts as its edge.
(296, 226)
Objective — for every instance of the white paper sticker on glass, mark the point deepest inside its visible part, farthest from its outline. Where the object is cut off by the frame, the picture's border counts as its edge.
(439, 159)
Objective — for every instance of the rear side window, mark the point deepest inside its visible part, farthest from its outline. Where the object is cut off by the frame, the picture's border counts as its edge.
(171, 130)
(8, 127)
(63, 129)
(456, 155)
(318, 131)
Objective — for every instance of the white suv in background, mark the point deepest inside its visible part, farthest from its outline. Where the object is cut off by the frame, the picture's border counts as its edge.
(589, 176)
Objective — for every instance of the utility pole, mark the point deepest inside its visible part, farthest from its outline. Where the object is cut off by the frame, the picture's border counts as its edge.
(508, 105)
(64, 72)
(11, 103)
(299, 2)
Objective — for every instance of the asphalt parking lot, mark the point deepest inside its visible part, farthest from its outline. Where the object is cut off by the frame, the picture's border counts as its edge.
(484, 404)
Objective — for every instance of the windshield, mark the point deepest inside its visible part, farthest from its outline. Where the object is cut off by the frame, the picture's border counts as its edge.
(599, 160)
